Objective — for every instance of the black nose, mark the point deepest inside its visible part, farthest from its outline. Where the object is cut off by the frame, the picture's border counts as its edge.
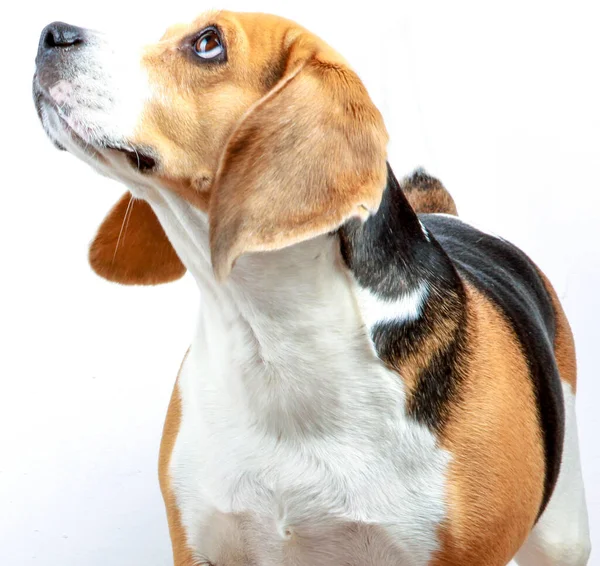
(59, 35)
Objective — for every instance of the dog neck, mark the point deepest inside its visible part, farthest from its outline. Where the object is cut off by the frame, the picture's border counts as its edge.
(271, 288)
(315, 309)
(413, 300)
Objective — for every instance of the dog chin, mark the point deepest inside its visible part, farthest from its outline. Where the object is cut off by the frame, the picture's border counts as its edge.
(116, 159)
(69, 132)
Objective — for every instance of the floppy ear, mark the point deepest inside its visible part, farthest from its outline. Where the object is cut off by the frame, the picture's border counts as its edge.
(132, 248)
(308, 156)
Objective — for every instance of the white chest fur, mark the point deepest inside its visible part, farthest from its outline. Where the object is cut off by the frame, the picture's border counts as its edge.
(360, 463)
(294, 447)
(291, 424)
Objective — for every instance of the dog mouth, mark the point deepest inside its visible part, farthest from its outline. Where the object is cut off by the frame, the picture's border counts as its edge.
(59, 123)
(60, 126)
(138, 158)
(42, 103)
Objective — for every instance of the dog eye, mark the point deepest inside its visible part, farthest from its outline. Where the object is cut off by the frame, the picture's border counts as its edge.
(209, 45)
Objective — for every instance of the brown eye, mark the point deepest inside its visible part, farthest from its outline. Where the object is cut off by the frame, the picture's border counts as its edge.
(208, 45)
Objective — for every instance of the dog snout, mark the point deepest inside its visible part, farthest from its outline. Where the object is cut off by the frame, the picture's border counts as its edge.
(59, 36)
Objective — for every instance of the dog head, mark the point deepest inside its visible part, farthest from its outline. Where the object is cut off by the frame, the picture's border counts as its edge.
(249, 117)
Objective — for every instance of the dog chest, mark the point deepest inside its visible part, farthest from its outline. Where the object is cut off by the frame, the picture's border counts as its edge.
(350, 467)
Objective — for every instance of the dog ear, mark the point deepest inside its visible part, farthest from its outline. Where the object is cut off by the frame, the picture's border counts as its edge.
(306, 157)
(132, 248)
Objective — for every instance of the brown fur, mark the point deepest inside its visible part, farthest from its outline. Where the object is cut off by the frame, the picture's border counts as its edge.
(494, 481)
(319, 108)
(564, 345)
(131, 246)
(182, 554)
(427, 195)
(408, 366)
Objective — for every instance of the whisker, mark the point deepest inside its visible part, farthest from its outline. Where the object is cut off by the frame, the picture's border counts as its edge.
(123, 226)
(131, 203)
(132, 148)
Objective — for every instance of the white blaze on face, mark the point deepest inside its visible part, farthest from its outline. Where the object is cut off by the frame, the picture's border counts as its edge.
(111, 89)
(97, 101)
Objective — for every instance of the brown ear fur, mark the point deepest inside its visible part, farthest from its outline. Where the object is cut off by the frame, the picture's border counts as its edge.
(132, 248)
(309, 155)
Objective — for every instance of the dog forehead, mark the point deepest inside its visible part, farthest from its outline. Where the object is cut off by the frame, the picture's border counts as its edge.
(253, 25)
(190, 25)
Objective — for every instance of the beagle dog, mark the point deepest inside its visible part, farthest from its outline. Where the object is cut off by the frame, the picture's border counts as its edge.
(372, 381)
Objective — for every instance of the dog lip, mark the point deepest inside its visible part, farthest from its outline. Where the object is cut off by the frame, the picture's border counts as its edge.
(139, 158)
(42, 96)
(43, 101)
(39, 100)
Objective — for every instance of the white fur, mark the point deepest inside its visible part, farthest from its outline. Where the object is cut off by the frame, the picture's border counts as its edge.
(288, 417)
(406, 308)
(562, 536)
(98, 103)
(425, 231)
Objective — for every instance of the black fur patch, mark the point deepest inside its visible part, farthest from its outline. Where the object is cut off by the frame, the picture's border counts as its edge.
(511, 280)
(390, 255)
(439, 382)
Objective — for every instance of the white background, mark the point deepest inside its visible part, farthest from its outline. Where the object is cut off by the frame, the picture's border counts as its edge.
(501, 100)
